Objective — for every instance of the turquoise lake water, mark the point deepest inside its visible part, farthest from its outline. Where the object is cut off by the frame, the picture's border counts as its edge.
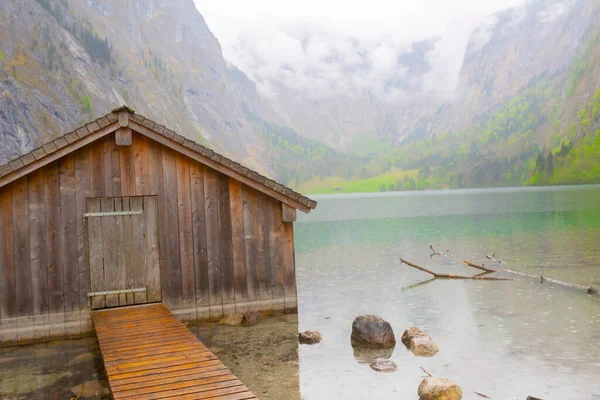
(507, 340)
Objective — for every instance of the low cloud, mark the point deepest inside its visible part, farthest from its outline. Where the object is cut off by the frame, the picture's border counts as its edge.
(332, 48)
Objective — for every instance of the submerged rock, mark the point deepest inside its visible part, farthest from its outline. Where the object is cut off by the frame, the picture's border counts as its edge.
(384, 365)
(366, 356)
(309, 337)
(439, 389)
(81, 359)
(419, 342)
(251, 318)
(89, 389)
(234, 319)
(372, 331)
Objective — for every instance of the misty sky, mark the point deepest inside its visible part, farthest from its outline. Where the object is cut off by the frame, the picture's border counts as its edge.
(326, 46)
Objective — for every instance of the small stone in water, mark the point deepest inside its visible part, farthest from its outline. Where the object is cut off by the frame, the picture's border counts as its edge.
(439, 389)
(234, 319)
(309, 337)
(384, 365)
(91, 389)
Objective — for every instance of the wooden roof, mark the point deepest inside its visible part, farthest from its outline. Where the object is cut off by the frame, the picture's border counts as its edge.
(126, 117)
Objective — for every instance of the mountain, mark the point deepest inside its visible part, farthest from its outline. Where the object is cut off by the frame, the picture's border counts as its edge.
(64, 62)
(517, 104)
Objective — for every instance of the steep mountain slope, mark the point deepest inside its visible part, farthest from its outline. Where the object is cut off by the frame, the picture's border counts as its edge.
(64, 61)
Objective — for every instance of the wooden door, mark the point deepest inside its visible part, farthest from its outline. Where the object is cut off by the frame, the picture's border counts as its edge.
(124, 252)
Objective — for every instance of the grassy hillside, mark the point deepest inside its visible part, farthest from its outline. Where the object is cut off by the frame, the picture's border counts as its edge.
(549, 133)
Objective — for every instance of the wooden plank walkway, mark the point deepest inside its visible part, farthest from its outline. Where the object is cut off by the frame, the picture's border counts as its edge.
(150, 354)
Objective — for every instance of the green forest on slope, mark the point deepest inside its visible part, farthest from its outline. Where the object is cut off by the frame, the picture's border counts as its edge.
(538, 137)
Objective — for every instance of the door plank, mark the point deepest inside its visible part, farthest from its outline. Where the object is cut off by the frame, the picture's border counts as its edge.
(152, 248)
(251, 244)
(240, 279)
(96, 256)
(109, 251)
(138, 249)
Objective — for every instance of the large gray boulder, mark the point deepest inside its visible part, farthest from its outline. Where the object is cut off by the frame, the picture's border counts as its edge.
(373, 332)
(419, 342)
(439, 389)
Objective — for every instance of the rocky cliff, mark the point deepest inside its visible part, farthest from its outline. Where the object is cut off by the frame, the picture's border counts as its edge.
(63, 62)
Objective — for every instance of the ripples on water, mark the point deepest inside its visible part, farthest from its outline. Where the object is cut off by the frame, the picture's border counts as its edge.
(505, 339)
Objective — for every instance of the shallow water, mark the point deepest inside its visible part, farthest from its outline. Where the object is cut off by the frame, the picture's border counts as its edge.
(507, 340)
(48, 371)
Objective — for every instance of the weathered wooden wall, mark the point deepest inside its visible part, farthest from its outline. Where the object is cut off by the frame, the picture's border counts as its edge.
(223, 246)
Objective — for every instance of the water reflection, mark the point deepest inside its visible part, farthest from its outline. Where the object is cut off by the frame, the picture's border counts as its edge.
(505, 339)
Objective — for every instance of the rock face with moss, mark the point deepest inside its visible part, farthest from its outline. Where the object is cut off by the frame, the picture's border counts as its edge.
(373, 332)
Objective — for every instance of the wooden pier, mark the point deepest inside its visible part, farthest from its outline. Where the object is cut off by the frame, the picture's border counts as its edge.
(150, 354)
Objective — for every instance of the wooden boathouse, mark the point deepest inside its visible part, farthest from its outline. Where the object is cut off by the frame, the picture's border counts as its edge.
(123, 211)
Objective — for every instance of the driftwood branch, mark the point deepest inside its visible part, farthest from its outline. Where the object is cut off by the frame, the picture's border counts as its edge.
(437, 253)
(481, 267)
(542, 279)
(493, 258)
(450, 276)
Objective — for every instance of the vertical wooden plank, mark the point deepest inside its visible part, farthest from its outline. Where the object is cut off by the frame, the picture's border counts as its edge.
(140, 148)
(251, 235)
(117, 175)
(199, 231)
(171, 268)
(240, 276)
(212, 243)
(186, 240)
(82, 192)
(8, 288)
(275, 254)
(152, 248)
(155, 179)
(138, 254)
(20, 212)
(263, 229)
(121, 250)
(109, 175)
(289, 269)
(56, 316)
(37, 235)
(226, 245)
(96, 257)
(96, 169)
(68, 244)
(127, 170)
(126, 269)
(109, 251)
(156, 186)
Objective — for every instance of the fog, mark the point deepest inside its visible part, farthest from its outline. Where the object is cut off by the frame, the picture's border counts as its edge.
(324, 48)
